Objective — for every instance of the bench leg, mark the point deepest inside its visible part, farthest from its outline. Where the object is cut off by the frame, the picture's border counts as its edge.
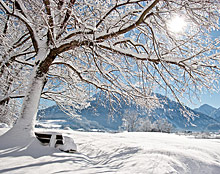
(52, 140)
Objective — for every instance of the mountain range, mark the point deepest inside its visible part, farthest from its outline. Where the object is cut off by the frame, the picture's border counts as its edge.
(98, 116)
(209, 110)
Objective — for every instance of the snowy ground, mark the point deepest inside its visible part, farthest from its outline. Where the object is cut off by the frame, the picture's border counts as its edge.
(125, 153)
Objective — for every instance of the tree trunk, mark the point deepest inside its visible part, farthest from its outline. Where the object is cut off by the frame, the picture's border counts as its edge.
(25, 124)
(22, 133)
(23, 130)
(30, 104)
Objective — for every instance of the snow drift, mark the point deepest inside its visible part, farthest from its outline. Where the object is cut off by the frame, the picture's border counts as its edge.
(148, 153)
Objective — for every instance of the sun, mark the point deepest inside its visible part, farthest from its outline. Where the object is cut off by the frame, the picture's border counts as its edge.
(176, 24)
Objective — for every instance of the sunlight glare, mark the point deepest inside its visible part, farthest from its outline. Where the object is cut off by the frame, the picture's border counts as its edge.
(176, 24)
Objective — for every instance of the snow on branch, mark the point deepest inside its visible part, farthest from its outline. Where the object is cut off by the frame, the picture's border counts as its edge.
(128, 27)
(22, 15)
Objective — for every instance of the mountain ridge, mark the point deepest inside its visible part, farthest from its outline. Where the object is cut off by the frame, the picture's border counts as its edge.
(97, 116)
(209, 110)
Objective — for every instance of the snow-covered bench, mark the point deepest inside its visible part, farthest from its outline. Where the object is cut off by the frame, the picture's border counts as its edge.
(57, 140)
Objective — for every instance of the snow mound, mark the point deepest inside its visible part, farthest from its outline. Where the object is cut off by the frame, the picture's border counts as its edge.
(3, 125)
(69, 145)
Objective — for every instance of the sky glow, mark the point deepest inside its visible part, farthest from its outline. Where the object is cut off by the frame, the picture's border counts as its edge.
(176, 24)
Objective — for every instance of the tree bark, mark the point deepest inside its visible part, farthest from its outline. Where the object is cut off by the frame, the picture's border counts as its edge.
(25, 123)
(30, 104)
(24, 127)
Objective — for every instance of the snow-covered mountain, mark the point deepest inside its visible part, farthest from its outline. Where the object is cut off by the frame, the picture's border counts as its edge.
(171, 111)
(209, 110)
(205, 109)
(216, 114)
(98, 116)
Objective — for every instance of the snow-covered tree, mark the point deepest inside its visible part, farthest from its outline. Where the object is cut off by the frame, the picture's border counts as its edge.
(130, 121)
(162, 125)
(129, 47)
(133, 123)
(145, 125)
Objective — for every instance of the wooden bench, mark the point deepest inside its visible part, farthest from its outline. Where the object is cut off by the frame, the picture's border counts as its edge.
(54, 139)
(45, 138)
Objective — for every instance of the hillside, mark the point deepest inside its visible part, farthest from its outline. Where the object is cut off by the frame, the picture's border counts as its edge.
(206, 109)
(98, 116)
(209, 110)
(216, 114)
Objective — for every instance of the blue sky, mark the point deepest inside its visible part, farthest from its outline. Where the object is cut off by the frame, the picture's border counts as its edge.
(208, 98)
(212, 99)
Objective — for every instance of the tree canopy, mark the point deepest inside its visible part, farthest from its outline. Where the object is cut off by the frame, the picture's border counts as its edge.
(64, 50)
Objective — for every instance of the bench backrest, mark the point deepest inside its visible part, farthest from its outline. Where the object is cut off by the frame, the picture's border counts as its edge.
(46, 137)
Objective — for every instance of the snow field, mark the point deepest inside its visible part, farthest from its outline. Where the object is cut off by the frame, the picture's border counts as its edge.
(121, 153)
